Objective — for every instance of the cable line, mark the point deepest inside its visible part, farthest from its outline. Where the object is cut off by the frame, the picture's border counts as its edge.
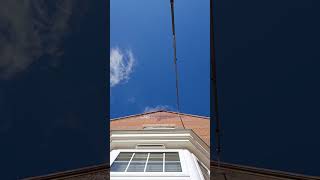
(175, 60)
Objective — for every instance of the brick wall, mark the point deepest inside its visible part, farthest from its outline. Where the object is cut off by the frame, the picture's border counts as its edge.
(200, 125)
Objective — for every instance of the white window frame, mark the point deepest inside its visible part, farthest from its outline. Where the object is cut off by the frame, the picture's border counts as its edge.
(197, 161)
(182, 156)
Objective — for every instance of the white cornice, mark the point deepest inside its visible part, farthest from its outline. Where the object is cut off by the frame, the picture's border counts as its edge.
(171, 139)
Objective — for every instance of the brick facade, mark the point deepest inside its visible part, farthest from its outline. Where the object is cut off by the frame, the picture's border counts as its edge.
(200, 125)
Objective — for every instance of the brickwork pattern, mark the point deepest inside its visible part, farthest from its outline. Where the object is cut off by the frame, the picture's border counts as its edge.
(200, 125)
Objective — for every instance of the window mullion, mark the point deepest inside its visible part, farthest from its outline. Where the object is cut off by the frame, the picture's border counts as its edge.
(129, 162)
(145, 167)
(163, 162)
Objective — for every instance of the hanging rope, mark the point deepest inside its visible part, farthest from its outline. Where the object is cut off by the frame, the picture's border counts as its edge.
(175, 60)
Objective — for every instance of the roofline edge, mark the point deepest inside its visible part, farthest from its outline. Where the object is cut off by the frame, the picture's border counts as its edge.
(144, 113)
(262, 171)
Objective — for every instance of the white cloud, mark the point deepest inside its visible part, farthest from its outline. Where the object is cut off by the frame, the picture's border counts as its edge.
(30, 29)
(121, 66)
(156, 108)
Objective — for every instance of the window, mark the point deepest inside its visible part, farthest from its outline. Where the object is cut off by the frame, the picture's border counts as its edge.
(147, 162)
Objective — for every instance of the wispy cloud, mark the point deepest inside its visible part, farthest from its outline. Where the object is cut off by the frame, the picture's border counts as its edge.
(30, 29)
(121, 66)
(157, 108)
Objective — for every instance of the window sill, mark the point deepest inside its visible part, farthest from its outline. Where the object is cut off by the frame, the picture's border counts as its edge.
(148, 174)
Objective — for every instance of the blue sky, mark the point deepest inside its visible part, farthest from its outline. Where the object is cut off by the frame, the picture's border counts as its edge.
(141, 60)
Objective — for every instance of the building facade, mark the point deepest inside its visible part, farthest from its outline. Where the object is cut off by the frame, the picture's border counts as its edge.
(160, 145)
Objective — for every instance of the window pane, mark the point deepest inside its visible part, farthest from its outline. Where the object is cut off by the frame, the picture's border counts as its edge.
(124, 156)
(173, 167)
(138, 162)
(155, 162)
(172, 156)
(121, 162)
(172, 162)
(119, 166)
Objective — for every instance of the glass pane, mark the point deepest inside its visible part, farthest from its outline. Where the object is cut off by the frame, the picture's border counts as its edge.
(119, 166)
(124, 156)
(172, 156)
(155, 162)
(138, 162)
(173, 167)
(172, 162)
(121, 162)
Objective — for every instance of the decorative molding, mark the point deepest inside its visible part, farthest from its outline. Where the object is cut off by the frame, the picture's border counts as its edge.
(171, 139)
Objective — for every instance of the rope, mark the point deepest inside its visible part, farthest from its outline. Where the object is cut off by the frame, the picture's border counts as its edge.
(175, 60)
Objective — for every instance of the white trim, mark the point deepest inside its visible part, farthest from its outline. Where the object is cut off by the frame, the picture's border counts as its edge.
(183, 141)
(129, 162)
(148, 150)
(163, 162)
(159, 128)
(197, 161)
(194, 174)
(150, 146)
(145, 166)
(150, 135)
(170, 139)
(113, 155)
(150, 178)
